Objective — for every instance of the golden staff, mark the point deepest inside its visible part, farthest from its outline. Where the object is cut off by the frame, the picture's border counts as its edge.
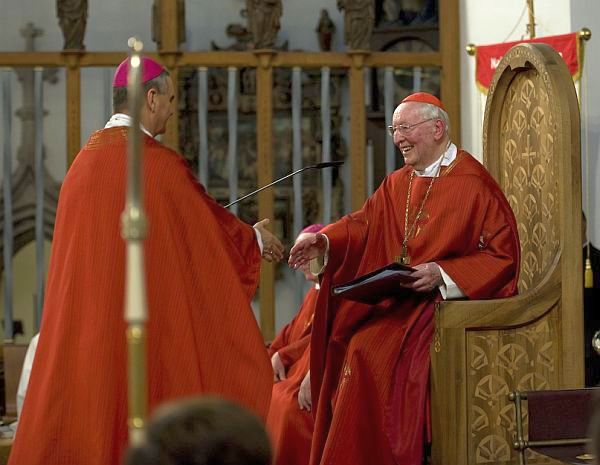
(531, 24)
(133, 231)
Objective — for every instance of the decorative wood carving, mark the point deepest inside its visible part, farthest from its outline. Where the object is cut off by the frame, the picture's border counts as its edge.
(529, 174)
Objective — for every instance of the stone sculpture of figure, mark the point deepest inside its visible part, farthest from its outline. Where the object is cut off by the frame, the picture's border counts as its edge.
(359, 16)
(411, 11)
(391, 10)
(157, 24)
(72, 18)
(263, 21)
(325, 30)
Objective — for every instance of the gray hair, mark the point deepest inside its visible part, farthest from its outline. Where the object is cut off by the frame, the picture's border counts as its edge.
(119, 97)
(431, 111)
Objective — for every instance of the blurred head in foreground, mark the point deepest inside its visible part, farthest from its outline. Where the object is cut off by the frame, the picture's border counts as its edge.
(202, 431)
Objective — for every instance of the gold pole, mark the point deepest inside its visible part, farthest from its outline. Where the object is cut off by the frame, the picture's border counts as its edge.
(264, 153)
(358, 128)
(169, 53)
(134, 232)
(72, 59)
(584, 35)
(531, 24)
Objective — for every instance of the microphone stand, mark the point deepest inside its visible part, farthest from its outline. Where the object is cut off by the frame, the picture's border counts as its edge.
(318, 166)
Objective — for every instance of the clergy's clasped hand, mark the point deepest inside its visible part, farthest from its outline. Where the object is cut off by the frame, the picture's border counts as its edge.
(272, 247)
(278, 368)
(304, 394)
(307, 248)
(429, 278)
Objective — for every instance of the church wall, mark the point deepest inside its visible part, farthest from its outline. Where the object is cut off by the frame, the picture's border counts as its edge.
(586, 13)
(484, 22)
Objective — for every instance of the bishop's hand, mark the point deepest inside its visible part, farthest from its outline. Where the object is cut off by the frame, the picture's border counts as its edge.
(309, 247)
(272, 247)
(278, 368)
(304, 395)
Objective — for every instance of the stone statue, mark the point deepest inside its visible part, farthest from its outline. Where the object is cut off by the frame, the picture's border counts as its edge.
(391, 10)
(239, 33)
(72, 18)
(359, 16)
(411, 10)
(325, 30)
(157, 25)
(263, 21)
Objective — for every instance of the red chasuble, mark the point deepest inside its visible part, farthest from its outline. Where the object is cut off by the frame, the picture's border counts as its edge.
(202, 266)
(370, 364)
(290, 427)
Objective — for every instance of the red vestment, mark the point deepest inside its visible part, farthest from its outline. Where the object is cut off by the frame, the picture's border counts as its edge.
(370, 364)
(202, 266)
(290, 428)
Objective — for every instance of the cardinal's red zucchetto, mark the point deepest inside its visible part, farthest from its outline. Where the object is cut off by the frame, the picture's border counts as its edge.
(424, 97)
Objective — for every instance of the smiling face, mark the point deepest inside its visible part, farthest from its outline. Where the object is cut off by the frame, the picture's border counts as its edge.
(423, 143)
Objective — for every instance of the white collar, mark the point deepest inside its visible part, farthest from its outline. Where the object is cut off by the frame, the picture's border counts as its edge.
(121, 119)
(433, 170)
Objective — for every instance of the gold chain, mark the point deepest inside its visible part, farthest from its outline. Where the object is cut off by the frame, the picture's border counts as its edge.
(407, 232)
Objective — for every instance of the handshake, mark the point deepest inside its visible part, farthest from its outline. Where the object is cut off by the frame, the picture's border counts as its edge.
(272, 248)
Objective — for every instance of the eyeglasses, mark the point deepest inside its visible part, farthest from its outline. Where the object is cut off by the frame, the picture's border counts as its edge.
(405, 128)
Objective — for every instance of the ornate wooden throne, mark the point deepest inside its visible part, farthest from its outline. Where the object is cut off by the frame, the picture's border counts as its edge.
(483, 350)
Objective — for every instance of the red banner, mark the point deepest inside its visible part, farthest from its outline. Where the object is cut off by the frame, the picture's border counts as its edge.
(489, 56)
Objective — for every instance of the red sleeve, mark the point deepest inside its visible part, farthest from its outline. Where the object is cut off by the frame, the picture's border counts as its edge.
(489, 271)
(292, 352)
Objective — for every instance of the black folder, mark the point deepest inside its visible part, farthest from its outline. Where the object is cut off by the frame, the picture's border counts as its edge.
(377, 285)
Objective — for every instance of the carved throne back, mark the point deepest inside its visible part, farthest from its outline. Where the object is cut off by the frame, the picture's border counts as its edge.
(483, 350)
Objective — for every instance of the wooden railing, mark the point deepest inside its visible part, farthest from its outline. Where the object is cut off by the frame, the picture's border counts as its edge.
(265, 61)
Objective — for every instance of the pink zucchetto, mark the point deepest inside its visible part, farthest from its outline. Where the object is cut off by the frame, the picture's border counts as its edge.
(313, 228)
(424, 97)
(150, 70)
